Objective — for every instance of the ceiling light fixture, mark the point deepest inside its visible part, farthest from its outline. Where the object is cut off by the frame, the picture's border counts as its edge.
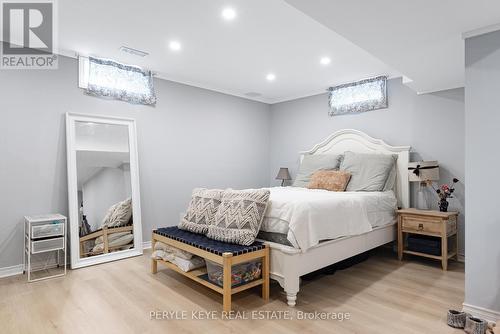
(325, 61)
(228, 14)
(174, 46)
(271, 77)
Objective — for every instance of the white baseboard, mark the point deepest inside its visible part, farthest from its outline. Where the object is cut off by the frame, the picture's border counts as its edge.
(481, 312)
(18, 269)
(11, 271)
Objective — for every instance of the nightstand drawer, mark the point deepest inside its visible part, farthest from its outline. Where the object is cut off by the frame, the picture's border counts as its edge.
(411, 224)
(419, 225)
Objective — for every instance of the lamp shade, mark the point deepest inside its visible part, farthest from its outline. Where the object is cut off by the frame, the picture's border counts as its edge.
(283, 174)
(422, 171)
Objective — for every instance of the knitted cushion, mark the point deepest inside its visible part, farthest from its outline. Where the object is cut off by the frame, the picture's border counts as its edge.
(109, 214)
(122, 214)
(239, 216)
(201, 210)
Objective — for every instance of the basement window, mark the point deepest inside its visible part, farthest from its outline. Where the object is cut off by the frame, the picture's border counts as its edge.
(360, 96)
(109, 79)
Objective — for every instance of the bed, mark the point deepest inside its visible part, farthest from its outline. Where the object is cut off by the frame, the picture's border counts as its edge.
(299, 218)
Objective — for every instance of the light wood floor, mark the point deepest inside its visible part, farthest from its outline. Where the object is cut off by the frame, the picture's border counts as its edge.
(382, 295)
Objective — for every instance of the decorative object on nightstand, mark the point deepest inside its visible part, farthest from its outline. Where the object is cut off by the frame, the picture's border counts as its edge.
(45, 234)
(423, 172)
(283, 175)
(441, 226)
(444, 192)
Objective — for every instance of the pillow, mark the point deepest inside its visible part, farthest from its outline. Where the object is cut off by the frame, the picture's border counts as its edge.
(333, 180)
(391, 179)
(173, 250)
(369, 172)
(111, 237)
(109, 214)
(312, 163)
(122, 214)
(239, 216)
(121, 241)
(201, 210)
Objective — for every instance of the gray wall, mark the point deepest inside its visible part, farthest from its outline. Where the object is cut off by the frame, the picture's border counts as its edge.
(433, 124)
(482, 130)
(193, 137)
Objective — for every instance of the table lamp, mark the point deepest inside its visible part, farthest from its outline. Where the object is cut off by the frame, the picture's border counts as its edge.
(283, 175)
(423, 172)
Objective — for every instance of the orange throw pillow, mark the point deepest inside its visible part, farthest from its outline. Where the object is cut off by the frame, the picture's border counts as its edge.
(333, 180)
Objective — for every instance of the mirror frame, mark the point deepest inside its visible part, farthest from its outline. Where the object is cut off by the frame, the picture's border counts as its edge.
(76, 261)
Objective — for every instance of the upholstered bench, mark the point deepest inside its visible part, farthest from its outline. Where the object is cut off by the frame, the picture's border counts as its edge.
(224, 254)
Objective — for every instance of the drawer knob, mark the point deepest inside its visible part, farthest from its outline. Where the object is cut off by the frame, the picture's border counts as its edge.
(420, 227)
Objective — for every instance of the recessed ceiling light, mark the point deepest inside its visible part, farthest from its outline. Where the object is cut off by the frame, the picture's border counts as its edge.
(325, 61)
(271, 77)
(174, 46)
(228, 14)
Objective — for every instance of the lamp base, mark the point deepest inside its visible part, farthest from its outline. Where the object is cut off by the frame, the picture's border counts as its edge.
(421, 198)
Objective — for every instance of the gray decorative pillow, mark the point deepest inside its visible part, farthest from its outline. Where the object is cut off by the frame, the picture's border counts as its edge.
(201, 210)
(239, 216)
(369, 171)
(313, 163)
(391, 179)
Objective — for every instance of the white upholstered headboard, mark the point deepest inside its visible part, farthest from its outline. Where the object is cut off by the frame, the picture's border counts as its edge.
(357, 141)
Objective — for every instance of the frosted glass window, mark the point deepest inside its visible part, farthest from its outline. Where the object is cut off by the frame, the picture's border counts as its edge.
(109, 79)
(360, 96)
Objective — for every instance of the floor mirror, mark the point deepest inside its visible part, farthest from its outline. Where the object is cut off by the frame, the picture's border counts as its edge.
(103, 189)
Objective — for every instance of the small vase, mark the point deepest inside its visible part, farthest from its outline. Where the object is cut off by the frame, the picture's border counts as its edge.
(443, 205)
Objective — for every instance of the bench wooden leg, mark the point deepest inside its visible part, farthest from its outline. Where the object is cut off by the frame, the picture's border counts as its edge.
(154, 263)
(265, 275)
(226, 296)
(154, 266)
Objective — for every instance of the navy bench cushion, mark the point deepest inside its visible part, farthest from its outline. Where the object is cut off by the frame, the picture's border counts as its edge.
(207, 244)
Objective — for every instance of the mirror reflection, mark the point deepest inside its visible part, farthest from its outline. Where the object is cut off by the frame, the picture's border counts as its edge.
(104, 188)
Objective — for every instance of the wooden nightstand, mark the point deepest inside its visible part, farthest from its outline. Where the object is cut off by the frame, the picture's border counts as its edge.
(431, 223)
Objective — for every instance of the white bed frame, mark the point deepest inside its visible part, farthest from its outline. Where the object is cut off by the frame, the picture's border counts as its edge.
(289, 263)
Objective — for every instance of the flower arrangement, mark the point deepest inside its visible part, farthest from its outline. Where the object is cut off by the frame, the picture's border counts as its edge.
(444, 192)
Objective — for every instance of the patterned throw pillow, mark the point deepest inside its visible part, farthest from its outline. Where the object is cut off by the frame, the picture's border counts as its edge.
(109, 214)
(333, 180)
(239, 216)
(121, 214)
(201, 210)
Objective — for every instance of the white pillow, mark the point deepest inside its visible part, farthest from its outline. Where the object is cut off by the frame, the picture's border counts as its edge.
(170, 249)
(121, 241)
(109, 214)
(122, 214)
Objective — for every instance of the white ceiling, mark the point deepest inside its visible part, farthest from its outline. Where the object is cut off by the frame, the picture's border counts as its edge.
(89, 163)
(421, 39)
(232, 57)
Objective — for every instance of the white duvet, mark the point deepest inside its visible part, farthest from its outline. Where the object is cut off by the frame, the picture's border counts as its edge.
(308, 216)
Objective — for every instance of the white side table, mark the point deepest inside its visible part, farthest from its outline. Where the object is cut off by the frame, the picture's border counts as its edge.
(45, 234)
